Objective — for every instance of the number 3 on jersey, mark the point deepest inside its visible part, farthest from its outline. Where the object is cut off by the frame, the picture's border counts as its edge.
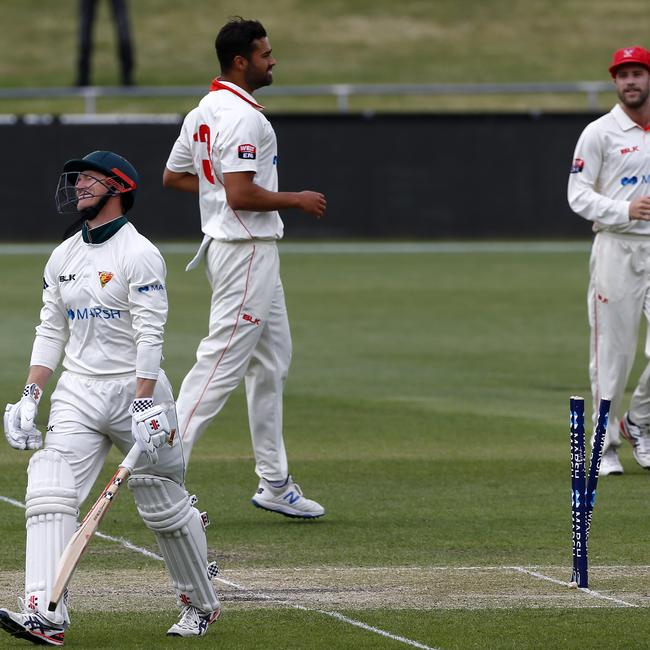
(204, 136)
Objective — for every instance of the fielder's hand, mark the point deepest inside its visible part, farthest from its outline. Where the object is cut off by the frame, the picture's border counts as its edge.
(313, 203)
(20, 418)
(149, 426)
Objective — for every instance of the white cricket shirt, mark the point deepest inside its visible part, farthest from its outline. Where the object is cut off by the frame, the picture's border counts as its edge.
(611, 167)
(226, 133)
(105, 304)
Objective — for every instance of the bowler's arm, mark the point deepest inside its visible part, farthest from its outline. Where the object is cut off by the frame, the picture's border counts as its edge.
(183, 181)
(243, 194)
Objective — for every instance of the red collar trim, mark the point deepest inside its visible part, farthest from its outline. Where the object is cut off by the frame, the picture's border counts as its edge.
(217, 85)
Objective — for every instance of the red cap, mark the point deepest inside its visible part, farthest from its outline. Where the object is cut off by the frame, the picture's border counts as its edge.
(634, 54)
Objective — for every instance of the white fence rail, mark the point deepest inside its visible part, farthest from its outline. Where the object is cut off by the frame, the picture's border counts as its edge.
(342, 92)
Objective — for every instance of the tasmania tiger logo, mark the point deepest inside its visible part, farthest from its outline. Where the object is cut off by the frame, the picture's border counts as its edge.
(105, 277)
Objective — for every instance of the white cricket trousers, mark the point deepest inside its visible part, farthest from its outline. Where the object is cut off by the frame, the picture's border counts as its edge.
(88, 415)
(248, 338)
(619, 295)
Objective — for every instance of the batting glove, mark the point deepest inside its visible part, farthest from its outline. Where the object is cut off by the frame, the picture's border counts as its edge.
(149, 426)
(19, 420)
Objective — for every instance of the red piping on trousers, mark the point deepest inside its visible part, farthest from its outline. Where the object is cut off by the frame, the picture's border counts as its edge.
(223, 353)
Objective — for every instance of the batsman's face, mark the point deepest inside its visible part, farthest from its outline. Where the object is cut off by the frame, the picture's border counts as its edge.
(259, 71)
(632, 85)
(90, 188)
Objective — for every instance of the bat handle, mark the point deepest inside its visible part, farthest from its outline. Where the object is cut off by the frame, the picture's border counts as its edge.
(131, 458)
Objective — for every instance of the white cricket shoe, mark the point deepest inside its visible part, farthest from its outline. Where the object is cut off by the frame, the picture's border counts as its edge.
(609, 463)
(287, 500)
(32, 627)
(193, 622)
(638, 436)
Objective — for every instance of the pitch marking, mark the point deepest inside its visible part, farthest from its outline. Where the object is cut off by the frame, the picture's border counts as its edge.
(340, 617)
(590, 592)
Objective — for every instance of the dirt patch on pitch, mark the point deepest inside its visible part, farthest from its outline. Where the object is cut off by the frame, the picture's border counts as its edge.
(359, 588)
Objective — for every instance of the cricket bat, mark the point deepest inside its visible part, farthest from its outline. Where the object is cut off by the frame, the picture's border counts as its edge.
(80, 540)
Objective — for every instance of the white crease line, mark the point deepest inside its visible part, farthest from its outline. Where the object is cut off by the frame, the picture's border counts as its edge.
(336, 615)
(13, 502)
(535, 574)
(340, 617)
(132, 547)
(590, 592)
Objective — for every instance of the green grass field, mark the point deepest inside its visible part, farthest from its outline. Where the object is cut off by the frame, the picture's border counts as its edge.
(427, 409)
(351, 41)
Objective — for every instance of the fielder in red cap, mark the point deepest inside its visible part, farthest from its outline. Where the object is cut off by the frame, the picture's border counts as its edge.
(609, 184)
(627, 56)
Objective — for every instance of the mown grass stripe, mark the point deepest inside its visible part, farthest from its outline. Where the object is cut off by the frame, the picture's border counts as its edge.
(359, 248)
(344, 619)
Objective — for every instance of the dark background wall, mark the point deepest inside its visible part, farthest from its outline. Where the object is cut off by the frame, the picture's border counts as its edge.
(388, 176)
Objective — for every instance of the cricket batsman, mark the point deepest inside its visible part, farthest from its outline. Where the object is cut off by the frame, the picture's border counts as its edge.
(104, 311)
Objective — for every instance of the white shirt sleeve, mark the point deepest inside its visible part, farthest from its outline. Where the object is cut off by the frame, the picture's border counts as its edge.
(52, 332)
(148, 306)
(587, 177)
(238, 145)
(180, 159)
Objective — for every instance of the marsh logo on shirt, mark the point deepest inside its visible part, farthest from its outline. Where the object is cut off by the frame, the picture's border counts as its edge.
(151, 287)
(105, 277)
(94, 312)
(629, 180)
(247, 151)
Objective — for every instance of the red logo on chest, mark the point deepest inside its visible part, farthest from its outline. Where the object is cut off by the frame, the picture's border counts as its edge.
(105, 277)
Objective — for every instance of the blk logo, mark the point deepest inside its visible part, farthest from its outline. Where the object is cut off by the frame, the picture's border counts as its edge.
(251, 319)
(68, 278)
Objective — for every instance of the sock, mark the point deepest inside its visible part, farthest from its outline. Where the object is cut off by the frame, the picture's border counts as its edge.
(278, 484)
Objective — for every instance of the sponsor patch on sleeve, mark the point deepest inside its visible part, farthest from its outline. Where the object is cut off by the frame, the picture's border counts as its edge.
(577, 166)
(247, 151)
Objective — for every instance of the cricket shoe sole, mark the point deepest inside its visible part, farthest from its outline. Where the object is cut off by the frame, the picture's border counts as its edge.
(288, 501)
(193, 623)
(31, 627)
(638, 437)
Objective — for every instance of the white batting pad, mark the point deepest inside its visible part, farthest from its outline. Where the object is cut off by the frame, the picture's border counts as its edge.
(51, 510)
(165, 508)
